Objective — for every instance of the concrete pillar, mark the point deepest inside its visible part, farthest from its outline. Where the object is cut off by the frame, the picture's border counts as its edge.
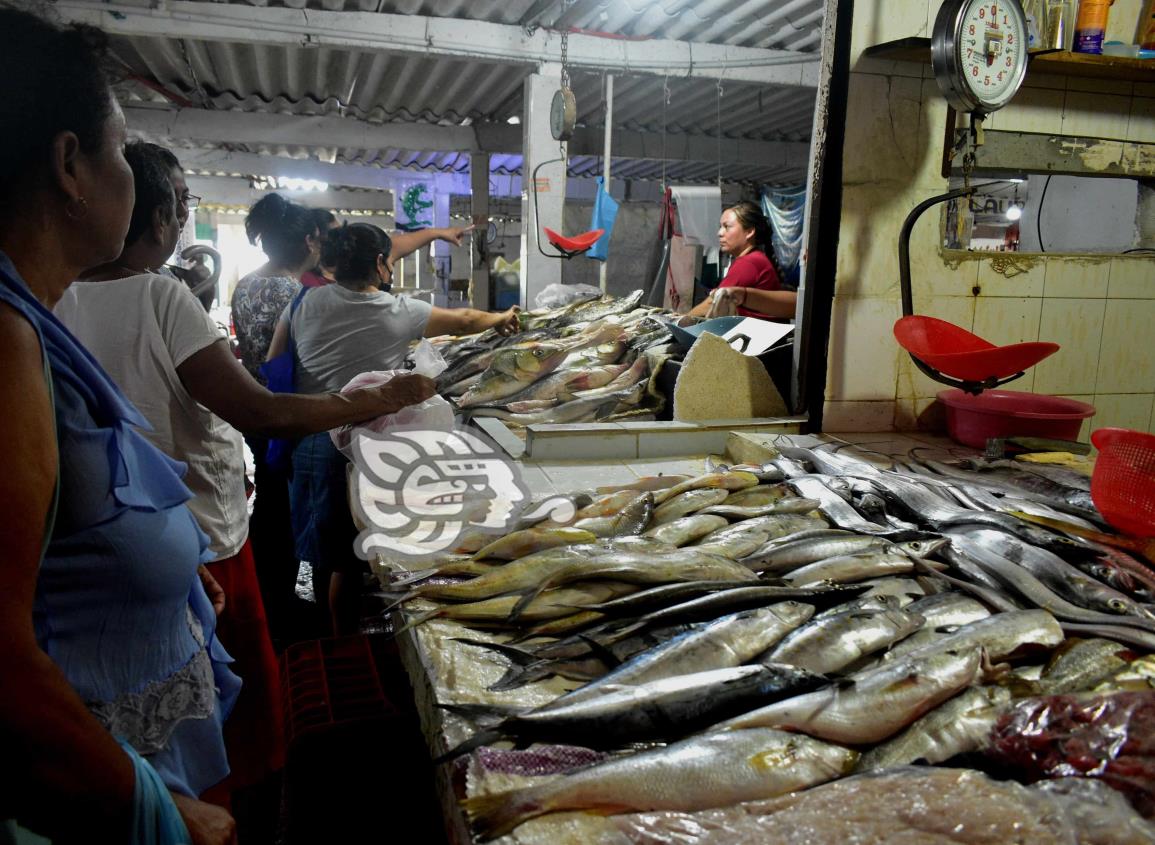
(479, 290)
(539, 271)
(440, 250)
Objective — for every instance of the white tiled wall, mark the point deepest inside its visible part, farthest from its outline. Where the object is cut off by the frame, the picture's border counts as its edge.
(1100, 310)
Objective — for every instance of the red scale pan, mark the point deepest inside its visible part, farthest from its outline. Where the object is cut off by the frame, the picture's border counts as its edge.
(948, 353)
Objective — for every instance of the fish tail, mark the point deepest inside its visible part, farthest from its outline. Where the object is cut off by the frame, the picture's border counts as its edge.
(496, 815)
(483, 715)
(412, 594)
(517, 655)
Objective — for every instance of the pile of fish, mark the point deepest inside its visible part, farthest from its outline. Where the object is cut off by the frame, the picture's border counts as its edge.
(772, 628)
(592, 360)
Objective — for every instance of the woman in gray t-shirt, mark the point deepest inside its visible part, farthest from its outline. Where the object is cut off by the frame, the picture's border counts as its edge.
(342, 330)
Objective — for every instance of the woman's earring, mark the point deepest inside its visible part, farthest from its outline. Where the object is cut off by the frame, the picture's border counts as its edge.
(76, 208)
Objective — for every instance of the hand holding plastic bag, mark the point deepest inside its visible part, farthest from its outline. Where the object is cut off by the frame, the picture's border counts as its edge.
(434, 414)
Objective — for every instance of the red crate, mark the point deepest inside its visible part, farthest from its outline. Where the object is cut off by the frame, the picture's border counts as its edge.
(331, 682)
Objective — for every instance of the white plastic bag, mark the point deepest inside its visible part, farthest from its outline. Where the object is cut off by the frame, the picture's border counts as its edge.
(434, 414)
(557, 295)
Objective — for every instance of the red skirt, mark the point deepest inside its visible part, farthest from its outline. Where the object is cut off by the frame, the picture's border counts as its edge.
(255, 730)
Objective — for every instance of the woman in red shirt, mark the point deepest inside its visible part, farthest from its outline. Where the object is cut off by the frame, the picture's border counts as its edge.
(752, 285)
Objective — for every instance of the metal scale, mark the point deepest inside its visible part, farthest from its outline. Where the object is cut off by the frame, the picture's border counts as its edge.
(979, 57)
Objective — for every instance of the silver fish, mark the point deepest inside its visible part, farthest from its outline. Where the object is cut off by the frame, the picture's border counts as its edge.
(841, 570)
(958, 726)
(875, 705)
(687, 503)
(728, 641)
(1001, 636)
(712, 770)
(948, 609)
(679, 532)
(789, 505)
(834, 642)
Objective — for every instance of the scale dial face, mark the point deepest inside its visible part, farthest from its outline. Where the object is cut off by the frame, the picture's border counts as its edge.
(562, 114)
(979, 53)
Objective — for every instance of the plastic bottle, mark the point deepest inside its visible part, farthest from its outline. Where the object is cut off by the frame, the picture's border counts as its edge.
(1147, 28)
(1091, 25)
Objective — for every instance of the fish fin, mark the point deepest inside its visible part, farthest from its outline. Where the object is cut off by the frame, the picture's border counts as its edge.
(529, 595)
(486, 716)
(519, 656)
(476, 741)
(603, 653)
(420, 619)
(409, 596)
(497, 814)
(518, 676)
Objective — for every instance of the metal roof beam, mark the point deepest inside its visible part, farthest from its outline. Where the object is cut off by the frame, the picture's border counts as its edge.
(427, 37)
(229, 127)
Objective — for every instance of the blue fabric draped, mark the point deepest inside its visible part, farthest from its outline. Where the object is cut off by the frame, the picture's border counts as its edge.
(785, 208)
(605, 212)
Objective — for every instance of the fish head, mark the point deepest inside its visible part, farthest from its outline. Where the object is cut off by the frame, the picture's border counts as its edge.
(923, 548)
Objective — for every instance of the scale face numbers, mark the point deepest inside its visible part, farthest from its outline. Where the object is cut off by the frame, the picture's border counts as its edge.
(979, 53)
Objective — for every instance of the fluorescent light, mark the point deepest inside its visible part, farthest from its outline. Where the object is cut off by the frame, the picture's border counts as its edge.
(514, 120)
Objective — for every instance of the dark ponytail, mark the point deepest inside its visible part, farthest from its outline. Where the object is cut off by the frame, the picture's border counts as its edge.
(283, 228)
(352, 252)
(750, 216)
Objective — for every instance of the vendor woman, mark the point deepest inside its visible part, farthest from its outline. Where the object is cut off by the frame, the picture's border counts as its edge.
(752, 287)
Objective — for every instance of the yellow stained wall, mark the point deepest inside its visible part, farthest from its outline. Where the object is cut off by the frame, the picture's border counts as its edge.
(1100, 310)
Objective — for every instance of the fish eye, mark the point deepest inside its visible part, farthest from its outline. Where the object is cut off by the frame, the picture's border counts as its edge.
(1117, 605)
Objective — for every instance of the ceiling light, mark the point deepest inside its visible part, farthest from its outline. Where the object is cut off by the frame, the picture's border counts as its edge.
(514, 120)
(1014, 212)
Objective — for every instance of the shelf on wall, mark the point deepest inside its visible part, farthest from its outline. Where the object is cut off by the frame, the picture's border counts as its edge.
(1057, 63)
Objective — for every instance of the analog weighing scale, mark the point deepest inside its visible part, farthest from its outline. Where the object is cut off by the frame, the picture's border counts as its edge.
(979, 57)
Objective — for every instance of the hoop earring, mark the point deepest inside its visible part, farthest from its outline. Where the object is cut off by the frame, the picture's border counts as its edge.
(81, 203)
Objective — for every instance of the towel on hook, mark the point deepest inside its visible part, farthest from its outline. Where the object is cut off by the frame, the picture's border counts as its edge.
(605, 212)
(699, 210)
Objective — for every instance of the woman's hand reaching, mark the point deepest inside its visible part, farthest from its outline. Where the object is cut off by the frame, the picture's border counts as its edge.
(404, 390)
(509, 323)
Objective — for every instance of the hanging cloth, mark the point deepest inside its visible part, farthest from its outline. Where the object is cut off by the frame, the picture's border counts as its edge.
(785, 208)
(699, 210)
(605, 212)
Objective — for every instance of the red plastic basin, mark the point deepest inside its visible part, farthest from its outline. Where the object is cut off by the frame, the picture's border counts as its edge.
(970, 420)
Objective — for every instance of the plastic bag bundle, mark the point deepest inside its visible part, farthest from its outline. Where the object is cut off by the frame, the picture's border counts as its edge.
(434, 414)
(558, 295)
(1109, 737)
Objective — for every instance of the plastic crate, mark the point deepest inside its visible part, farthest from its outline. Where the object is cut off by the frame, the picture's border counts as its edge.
(331, 682)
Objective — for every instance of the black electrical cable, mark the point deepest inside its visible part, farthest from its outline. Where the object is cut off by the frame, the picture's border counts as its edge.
(1039, 217)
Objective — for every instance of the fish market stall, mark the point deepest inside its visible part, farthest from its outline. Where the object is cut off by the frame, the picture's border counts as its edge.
(775, 650)
(606, 365)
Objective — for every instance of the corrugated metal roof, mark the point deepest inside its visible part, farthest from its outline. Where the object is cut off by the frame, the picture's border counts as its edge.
(382, 87)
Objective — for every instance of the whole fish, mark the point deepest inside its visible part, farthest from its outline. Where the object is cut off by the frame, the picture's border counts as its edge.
(832, 643)
(1056, 573)
(733, 542)
(652, 483)
(862, 603)
(564, 564)
(948, 609)
(872, 706)
(1034, 590)
(763, 494)
(956, 727)
(632, 520)
(834, 507)
(609, 504)
(841, 570)
(709, 606)
(711, 770)
(563, 383)
(721, 480)
(599, 309)
(728, 641)
(776, 527)
(679, 532)
(665, 595)
(687, 503)
(602, 354)
(791, 505)
(666, 709)
(631, 376)
(1081, 665)
(530, 540)
(1001, 636)
(1029, 485)
(791, 556)
(549, 605)
(903, 590)
(511, 370)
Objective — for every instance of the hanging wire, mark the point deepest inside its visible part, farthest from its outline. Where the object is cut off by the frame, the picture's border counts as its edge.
(719, 103)
(665, 103)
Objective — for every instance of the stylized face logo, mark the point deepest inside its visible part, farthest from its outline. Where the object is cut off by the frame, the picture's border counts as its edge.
(417, 491)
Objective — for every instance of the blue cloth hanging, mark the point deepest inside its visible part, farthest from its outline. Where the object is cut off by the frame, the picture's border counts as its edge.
(605, 212)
